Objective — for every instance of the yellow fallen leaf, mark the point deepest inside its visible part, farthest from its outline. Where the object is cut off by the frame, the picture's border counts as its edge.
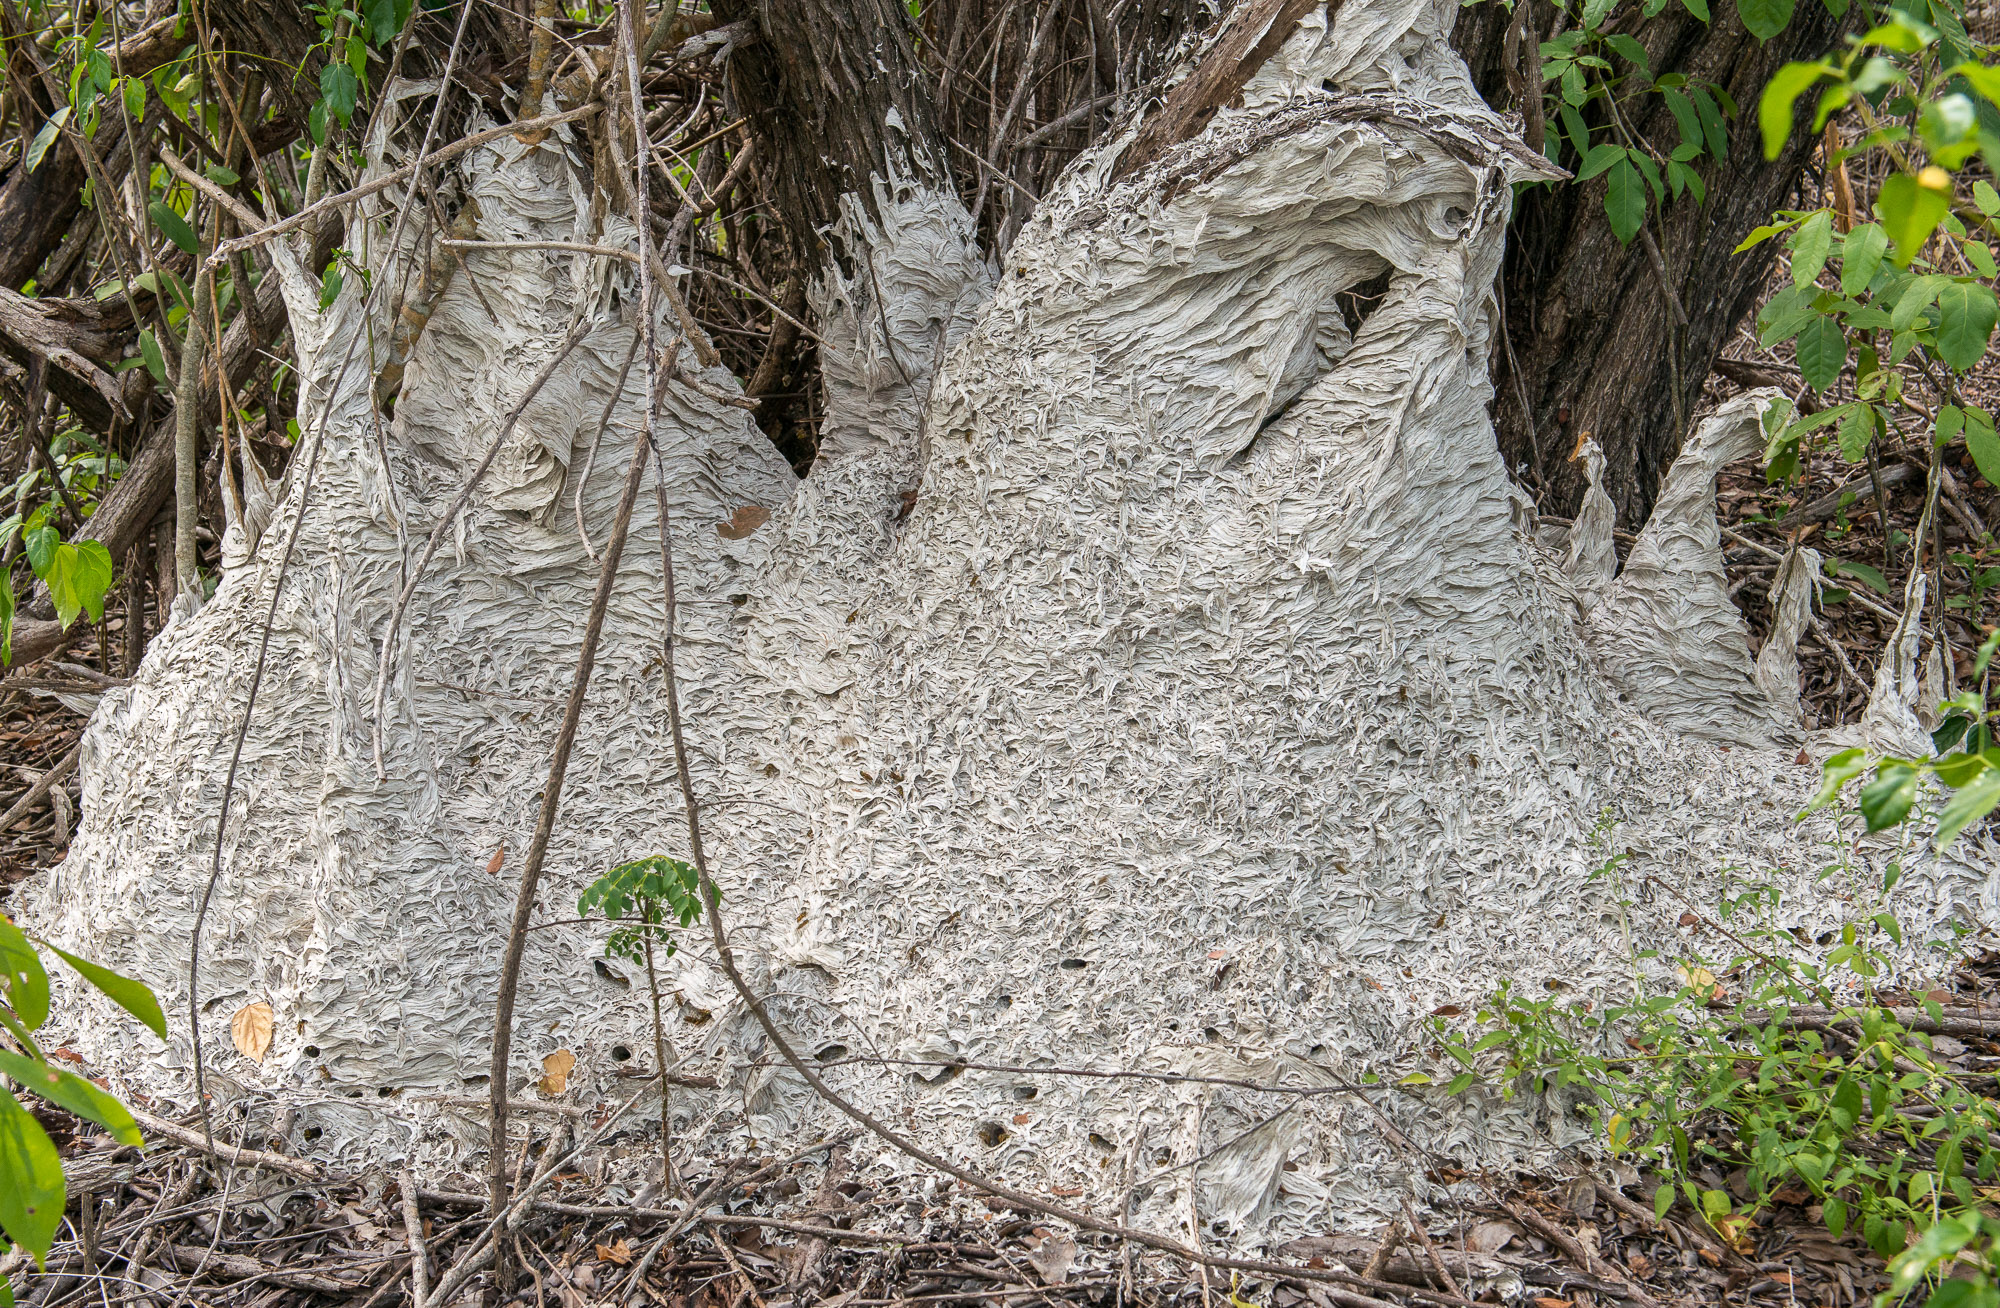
(1700, 980)
(555, 1072)
(251, 1030)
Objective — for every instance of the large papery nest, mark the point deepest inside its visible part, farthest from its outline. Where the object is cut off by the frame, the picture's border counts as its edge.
(1218, 705)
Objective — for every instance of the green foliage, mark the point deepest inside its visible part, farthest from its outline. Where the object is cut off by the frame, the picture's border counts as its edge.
(652, 893)
(32, 1190)
(1909, 294)
(1590, 70)
(1719, 1068)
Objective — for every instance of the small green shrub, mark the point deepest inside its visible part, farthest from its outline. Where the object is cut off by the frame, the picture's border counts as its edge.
(32, 1190)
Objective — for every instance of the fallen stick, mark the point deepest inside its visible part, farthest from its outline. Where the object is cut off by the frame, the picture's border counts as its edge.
(1555, 1235)
(245, 1268)
(298, 1167)
(39, 791)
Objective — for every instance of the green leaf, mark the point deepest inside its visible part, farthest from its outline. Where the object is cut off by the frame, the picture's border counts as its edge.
(1910, 213)
(1764, 18)
(1967, 312)
(1983, 444)
(1572, 85)
(1916, 296)
(21, 970)
(40, 542)
(174, 227)
(72, 1092)
(149, 350)
(1886, 800)
(32, 1192)
(1625, 201)
(1986, 198)
(329, 286)
(1810, 246)
(135, 997)
(6, 1292)
(78, 578)
(1631, 51)
(1966, 807)
(1774, 109)
(1984, 80)
(1663, 1199)
(316, 121)
(1684, 114)
(1857, 431)
(1822, 352)
(1714, 131)
(134, 92)
(38, 148)
(1600, 158)
(1836, 772)
(6, 618)
(1579, 135)
(1862, 258)
(1651, 172)
(338, 89)
(1836, 1217)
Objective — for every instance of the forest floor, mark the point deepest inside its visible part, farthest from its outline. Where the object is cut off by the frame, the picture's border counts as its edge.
(773, 1234)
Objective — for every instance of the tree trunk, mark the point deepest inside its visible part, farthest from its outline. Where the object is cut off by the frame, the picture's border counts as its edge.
(1176, 680)
(1588, 320)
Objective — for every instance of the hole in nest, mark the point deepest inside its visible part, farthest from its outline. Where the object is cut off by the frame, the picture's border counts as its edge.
(385, 1092)
(604, 970)
(1074, 964)
(991, 1134)
(478, 1080)
(1024, 1093)
(1005, 1001)
(1210, 1033)
(311, 1133)
(945, 1073)
(1362, 299)
(831, 1052)
(1101, 1142)
(312, 1051)
(620, 1053)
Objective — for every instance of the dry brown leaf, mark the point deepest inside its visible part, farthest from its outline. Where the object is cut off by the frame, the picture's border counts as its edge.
(493, 864)
(618, 1252)
(555, 1072)
(251, 1030)
(1548, 1301)
(746, 520)
(1492, 1237)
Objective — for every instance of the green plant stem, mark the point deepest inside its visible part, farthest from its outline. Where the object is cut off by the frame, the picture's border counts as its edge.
(660, 1065)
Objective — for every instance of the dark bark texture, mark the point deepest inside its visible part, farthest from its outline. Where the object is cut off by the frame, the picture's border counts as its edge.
(1590, 324)
(819, 86)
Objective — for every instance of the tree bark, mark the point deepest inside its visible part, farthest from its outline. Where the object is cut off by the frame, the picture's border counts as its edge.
(1588, 320)
(837, 103)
